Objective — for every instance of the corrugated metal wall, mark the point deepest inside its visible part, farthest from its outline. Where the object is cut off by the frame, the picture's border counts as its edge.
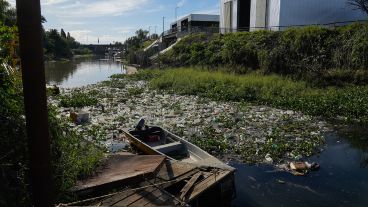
(301, 12)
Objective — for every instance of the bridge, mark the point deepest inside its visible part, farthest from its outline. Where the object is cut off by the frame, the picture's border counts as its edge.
(101, 49)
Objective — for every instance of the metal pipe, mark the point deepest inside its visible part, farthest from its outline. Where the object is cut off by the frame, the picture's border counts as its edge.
(35, 102)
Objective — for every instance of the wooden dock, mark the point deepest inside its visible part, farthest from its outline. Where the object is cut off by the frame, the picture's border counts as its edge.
(174, 183)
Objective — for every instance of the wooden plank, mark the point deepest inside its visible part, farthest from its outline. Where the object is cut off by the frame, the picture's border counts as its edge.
(119, 169)
(114, 199)
(134, 197)
(189, 186)
(147, 199)
(207, 183)
(173, 169)
(163, 200)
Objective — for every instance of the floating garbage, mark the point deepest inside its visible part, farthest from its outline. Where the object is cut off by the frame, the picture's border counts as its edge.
(302, 168)
(80, 117)
(249, 135)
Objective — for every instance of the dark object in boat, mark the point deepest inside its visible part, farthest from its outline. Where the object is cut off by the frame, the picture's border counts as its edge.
(141, 125)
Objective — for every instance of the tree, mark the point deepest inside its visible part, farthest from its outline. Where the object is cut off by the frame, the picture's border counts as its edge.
(62, 33)
(141, 34)
(359, 5)
(8, 15)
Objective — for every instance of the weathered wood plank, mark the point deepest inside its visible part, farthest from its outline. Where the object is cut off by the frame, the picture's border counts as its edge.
(173, 169)
(133, 198)
(206, 183)
(119, 169)
(189, 185)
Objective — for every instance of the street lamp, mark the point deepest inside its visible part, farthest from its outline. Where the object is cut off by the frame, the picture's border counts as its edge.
(176, 13)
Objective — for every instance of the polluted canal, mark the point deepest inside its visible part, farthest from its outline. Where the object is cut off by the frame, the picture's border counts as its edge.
(235, 132)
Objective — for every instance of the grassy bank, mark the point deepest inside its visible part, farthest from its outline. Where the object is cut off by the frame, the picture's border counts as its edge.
(322, 56)
(350, 102)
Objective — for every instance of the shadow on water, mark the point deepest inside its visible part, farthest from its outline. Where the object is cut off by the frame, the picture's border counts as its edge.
(341, 181)
(80, 72)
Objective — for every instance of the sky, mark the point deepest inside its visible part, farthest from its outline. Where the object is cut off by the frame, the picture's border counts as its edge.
(115, 20)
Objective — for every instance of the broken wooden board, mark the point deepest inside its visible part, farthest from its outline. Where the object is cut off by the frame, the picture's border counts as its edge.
(145, 194)
(173, 169)
(189, 186)
(121, 170)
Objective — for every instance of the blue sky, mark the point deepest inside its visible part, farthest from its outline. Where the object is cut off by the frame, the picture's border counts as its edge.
(114, 20)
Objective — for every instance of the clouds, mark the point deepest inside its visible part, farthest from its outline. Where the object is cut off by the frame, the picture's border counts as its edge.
(91, 8)
(114, 20)
(181, 3)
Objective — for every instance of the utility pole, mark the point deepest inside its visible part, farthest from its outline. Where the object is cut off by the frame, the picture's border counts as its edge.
(149, 32)
(35, 102)
(163, 26)
(155, 29)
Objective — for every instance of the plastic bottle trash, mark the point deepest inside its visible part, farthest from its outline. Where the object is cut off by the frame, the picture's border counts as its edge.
(269, 159)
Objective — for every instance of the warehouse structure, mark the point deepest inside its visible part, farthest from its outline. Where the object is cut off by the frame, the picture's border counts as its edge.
(249, 15)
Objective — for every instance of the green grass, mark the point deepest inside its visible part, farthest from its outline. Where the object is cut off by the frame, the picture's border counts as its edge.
(147, 43)
(78, 99)
(273, 90)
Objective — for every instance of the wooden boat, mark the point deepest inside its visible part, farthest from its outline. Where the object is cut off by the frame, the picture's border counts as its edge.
(158, 141)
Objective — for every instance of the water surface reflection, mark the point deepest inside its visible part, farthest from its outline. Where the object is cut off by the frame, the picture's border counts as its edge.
(81, 72)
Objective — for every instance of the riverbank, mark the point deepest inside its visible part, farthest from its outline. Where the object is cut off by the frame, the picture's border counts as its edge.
(232, 131)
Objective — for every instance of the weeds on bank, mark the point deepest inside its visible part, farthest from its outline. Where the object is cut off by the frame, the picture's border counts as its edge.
(273, 90)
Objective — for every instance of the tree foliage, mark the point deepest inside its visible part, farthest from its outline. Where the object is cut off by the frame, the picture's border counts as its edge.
(8, 14)
(359, 5)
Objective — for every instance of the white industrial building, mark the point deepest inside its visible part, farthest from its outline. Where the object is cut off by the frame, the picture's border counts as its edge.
(240, 15)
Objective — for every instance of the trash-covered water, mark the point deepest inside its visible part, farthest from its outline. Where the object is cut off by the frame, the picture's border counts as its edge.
(81, 72)
(341, 181)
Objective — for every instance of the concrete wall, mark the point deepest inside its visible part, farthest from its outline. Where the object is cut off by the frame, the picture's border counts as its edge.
(234, 17)
(265, 13)
(274, 13)
(302, 12)
(258, 13)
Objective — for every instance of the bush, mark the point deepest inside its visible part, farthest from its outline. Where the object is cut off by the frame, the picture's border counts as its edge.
(302, 53)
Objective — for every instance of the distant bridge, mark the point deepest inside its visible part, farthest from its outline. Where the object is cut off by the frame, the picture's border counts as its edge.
(101, 49)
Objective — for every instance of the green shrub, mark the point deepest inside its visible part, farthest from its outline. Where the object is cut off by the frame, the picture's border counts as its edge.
(78, 99)
(303, 53)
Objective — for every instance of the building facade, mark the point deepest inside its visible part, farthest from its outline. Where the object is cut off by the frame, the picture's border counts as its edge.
(248, 15)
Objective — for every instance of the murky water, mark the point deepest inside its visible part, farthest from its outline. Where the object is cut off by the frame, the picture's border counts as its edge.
(80, 72)
(341, 181)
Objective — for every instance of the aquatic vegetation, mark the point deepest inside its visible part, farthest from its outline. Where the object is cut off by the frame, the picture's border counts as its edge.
(78, 99)
(350, 102)
(135, 91)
